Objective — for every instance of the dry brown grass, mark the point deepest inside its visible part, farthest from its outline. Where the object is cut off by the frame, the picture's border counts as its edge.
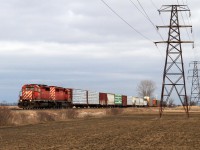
(88, 116)
(23, 117)
(45, 117)
(5, 116)
(114, 111)
(134, 131)
(72, 113)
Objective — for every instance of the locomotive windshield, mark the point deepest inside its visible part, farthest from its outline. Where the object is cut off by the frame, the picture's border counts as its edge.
(29, 88)
(20, 93)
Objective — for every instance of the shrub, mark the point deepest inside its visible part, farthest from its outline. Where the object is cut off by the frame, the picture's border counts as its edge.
(5, 116)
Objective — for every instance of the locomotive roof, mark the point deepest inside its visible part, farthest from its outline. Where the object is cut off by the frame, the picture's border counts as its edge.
(35, 84)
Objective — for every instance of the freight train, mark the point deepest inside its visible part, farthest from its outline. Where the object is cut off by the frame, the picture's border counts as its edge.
(35, 96)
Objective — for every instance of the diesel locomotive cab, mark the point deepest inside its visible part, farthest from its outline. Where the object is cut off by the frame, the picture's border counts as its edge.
(37, 96)
(27, 95)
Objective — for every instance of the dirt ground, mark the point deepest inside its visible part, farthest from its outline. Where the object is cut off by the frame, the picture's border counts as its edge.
(141, 130)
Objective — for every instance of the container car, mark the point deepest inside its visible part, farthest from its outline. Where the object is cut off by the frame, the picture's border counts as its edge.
(153, 103)
(80, 98)
(103, 99)
(93, 99)
(124, 101)
(110, 99)
(139, 102)
(129, 101)
(118, 100)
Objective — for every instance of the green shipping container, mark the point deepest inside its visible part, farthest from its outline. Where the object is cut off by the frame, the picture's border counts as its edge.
(118, 99)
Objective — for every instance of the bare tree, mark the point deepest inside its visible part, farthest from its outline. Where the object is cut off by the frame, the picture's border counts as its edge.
(171, 102)
(146, 88)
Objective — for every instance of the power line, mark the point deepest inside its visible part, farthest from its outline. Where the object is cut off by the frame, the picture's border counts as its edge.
(189, 19)
(157, 9)
(146, 16)
(138, 9)
(186, 29)
(142, 8)
(126, 21)
(131, 26)
(154, 4)
(186, 2)
(184, 21)
(183, 2)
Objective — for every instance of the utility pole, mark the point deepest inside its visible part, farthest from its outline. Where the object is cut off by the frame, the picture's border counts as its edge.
(195, 89)
(173, 75)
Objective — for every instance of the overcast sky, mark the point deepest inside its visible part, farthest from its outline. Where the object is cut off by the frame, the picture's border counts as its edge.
(82, 44)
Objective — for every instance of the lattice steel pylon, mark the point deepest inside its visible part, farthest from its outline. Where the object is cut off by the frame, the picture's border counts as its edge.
(195, 89)
(173, 75)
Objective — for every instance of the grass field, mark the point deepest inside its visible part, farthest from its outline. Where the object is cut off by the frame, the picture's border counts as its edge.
(138, 130)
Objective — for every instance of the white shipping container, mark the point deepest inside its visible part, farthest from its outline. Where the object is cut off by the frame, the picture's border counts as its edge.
(134, 100)
(138, 101)
(129, 100)
(111, 99)
(145, 103)
(93, 98)
(141, 102)
(79, 96)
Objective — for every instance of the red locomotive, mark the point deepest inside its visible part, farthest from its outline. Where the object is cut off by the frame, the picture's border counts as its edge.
(43, 96)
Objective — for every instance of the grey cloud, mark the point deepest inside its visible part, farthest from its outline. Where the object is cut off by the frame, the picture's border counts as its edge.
(81, 45)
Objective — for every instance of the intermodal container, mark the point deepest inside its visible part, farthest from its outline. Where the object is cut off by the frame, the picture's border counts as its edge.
(145, 103)
(118, 99)
(93, 98)
(154, 102)
(129, 101)
(111, 99)
(79, 97)
(103, 99)
(139, 101)
(134, 99)
(124, 100)
(142, 102)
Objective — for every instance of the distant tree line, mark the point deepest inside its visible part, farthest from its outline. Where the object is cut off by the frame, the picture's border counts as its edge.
(4, 103)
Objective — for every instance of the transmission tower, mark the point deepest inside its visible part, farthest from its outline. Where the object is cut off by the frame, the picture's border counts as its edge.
(173, 75)
(195, 89)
